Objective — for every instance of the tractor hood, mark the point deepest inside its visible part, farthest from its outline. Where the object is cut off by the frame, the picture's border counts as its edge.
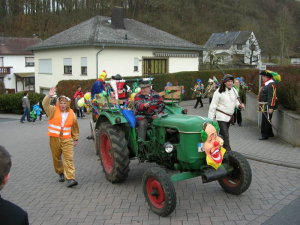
(182, 122)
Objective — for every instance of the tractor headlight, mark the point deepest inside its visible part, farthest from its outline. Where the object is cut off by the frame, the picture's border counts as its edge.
(168, 147)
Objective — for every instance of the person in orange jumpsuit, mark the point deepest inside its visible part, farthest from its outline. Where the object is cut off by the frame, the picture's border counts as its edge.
(63, 132)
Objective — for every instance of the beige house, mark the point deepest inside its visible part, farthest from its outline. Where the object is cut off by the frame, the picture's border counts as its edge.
(17, 64)
(237, 48)
(119, 46)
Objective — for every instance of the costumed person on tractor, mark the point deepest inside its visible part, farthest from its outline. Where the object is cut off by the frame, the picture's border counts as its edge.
(119, 87)
(198, 91)
(63, 132)
(97, 88)
(268, 101)
(148, 104)
(99, 84)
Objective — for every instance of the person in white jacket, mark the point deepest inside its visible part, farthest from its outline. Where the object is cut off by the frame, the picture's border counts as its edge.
(224, 101)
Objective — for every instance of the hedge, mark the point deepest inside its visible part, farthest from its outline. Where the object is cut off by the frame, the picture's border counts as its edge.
(12, 103)
(288, 90)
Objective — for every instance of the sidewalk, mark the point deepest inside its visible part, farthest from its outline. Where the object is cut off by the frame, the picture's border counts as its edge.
(243, 139)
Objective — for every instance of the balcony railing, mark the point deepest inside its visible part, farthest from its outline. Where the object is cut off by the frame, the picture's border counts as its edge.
(5, 70)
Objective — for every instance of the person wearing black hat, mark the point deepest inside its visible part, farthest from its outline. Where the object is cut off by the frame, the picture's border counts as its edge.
(148, 104)
(267, 102)
(223, 104)
(119, 87)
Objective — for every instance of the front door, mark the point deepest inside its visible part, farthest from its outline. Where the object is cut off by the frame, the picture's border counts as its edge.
(155, 66)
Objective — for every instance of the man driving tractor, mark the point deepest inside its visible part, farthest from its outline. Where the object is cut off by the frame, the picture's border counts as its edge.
(148, 104)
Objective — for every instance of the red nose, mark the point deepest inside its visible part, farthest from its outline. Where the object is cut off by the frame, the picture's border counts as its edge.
(216, 144)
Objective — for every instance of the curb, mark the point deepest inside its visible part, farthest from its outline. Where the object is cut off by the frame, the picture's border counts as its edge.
(270, 161)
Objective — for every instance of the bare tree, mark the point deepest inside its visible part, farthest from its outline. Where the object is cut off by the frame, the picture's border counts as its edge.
(284, 30)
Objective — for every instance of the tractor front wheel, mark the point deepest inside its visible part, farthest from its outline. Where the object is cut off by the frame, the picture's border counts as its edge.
(113, 152)
(159, 191)
(238, 180)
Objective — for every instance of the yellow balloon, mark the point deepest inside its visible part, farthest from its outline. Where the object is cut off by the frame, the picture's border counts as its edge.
(132, 95)
(87, 96)
(80, 102)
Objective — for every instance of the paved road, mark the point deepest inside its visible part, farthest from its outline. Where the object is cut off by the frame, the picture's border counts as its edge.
(33, 184)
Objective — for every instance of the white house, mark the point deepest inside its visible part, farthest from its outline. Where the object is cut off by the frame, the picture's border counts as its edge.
(295, 58)
(119, 46)
(239, 48)
(17, 64)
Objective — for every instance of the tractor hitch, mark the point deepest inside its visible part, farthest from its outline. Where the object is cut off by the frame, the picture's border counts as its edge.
(211, 175)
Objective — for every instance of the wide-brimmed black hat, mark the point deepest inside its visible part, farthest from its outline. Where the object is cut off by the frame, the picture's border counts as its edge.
(145, 83)
(117, 77)
(227, 77)
(265, 73)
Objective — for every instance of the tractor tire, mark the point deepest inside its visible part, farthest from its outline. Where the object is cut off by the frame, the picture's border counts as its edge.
(159, 191)
(113, 153)
(239, 180)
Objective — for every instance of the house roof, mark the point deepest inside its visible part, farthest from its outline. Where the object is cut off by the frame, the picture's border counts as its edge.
(227, 39)
(98, 31)
(16, 46)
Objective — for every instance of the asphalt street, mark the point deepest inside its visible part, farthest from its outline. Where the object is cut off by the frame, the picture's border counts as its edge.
(275, 189)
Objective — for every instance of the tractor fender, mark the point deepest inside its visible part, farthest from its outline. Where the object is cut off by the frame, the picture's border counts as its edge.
(113, 117)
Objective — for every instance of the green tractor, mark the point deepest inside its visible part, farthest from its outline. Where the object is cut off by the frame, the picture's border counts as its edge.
(174, 141)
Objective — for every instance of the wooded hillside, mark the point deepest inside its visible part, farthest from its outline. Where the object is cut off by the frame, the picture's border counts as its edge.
(275, 22)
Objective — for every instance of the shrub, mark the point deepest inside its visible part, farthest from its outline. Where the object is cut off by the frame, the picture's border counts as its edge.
(12, 103)
(288, 90)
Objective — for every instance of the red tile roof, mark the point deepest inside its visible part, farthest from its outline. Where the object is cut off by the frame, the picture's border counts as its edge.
(16, 46)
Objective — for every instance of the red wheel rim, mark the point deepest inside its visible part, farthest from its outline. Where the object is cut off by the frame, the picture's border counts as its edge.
(155, 193)
(231, 182)
(234, 179)
(106, 154)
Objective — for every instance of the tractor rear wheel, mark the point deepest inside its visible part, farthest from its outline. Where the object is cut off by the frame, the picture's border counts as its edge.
(239, 180)
(159, 191)
(113, 152)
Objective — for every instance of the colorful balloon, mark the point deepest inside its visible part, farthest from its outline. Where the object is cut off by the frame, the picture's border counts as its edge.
(87, 96)
(80, 102)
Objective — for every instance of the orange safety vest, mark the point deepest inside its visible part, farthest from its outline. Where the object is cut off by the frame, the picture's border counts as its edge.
(54, 125)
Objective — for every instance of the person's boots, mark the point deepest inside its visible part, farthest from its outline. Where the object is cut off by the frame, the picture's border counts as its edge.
(61, 177)
(71, 183)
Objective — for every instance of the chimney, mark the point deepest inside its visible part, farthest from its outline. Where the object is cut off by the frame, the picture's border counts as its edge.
(117, 18)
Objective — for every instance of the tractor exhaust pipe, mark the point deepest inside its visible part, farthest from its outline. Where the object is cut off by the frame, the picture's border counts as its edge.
(212, 175)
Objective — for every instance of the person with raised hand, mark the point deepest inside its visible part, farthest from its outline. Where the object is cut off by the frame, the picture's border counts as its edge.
(63, 132)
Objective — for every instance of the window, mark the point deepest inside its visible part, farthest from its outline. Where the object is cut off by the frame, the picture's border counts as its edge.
(220, 45)
(67, 66)
(1, 62)
(29, 61)
(239, 47)
(29, 81)
(83, 65)
(45, 66)
(154, 66)
(136, 64)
